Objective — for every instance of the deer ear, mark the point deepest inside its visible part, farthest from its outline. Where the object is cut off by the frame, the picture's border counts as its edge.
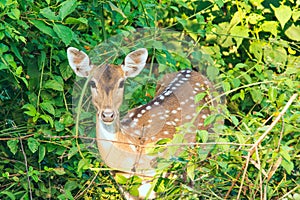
(79, 62)
(135, 62)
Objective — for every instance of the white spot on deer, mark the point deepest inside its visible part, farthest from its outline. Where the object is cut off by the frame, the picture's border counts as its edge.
(162, 97)
(195, 92)
(150, 120)
(131, 114)
(162, 117)
(168, 92)
(160, 113)
(185, 79)
(188, 117)
(198, 84)
(192, 105)
(187, 75)
(179, 108)
(156, 103)
(196, 89)
(174, 88)
(182, 103)
(135, 119)
(177, 84)
(143, 111)
(171, 123)
(174, 111)
(166, 132)
(176, 120)
(203, 116)
(167, 111)
(181, 81)
(148, 108)
(188, 71)
(139, 115)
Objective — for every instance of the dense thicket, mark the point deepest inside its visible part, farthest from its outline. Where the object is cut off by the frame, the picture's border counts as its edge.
(254, 46)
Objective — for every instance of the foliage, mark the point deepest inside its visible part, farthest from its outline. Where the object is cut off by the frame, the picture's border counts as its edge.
(254, 46)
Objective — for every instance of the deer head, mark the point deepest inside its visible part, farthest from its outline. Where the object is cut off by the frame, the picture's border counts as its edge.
(107, 82)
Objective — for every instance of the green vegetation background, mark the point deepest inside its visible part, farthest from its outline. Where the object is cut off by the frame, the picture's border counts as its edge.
(254, 45)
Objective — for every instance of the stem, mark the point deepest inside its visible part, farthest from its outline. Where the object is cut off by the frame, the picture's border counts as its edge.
(26, 167)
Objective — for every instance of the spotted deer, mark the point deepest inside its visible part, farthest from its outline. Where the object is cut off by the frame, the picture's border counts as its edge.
(122, 144)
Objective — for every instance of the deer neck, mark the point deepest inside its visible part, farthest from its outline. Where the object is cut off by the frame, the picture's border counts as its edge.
(118, 152)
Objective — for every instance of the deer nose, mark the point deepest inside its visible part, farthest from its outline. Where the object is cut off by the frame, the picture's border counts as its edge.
(108, 115)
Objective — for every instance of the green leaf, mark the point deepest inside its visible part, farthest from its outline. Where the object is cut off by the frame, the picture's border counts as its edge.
(286, 163)
(42, 153)
(83, 164)
(254, 18)
(47, 119)
(65, 70)
(49, 14)
(14, 14)
(59, 171)
(275, 55)
(191, 167)
(15, 50)
(43, 27)
(13, 146)
(120, 179)
(66, 8)
(235, 82)
(9, 194)
(240, 137)
(200, 96)
(33, 144)
(208, 120)
(64, 33)
(256, 95)
(270, 26)
(283, 13)
(177, 139)
(115, 8)
(256, 47)
(71, 185)
(48, 107)
(80, 20)
(293, 32)
(226, 86)
(220, 3)
(212, 72)
(31, 110)
(296, 15)
(272, 93)
(203, 134)
(54, 85)
(241, 32)
(234, 120)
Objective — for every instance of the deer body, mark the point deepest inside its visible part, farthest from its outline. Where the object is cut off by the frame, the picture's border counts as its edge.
(123, 144)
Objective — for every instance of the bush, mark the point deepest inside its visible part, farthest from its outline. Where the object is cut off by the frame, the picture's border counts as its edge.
(254, 46)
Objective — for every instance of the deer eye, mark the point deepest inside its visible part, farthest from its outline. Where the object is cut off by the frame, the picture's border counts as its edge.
(121, 84)
(92, 84)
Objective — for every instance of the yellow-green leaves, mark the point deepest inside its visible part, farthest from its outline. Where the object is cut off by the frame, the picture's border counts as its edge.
(283, 13)
(293, 32)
